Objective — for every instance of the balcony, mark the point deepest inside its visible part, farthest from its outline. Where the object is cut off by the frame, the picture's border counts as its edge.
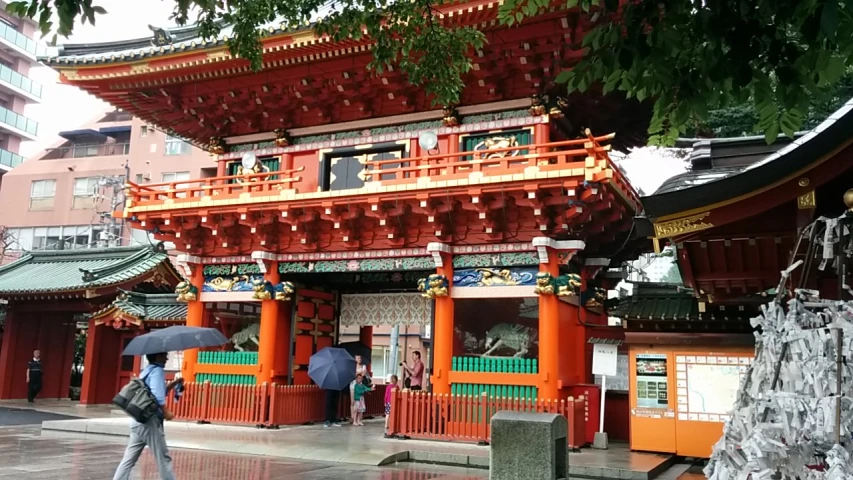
(18, 84)
(91, 150)
(9, 160)
(17, 124)
(574, 161)
(20, 44)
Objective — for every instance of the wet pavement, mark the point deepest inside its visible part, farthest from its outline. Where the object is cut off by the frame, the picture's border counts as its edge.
(29, 455)
(15, 416)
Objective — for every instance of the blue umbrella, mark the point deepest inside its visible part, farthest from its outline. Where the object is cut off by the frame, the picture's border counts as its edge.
(173, 339)
(332, 368)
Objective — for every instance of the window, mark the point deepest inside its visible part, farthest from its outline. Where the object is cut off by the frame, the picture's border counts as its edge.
(41, 194)
(84, 190)
(143, 131)
(171, 177)
(176, 146)
(380, 357)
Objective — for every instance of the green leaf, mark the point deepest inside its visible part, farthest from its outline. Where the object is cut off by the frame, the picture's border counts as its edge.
(830, 18)
(771, 134)
(563, 76)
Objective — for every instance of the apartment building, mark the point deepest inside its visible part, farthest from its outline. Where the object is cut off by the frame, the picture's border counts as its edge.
(18, 52)
(63, 198)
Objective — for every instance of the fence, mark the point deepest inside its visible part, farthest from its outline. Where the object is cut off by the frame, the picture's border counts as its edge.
(267, 405)
(467, 418)
(507, 365)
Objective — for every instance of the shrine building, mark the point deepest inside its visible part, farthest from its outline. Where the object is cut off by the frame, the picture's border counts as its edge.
(344, 197)
(737, 219)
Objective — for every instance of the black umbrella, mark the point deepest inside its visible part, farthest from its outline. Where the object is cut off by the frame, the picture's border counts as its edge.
(332, 368)
(173, 339)
(357, 348)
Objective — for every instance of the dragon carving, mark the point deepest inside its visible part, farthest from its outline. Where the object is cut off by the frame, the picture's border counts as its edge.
(265, 290)
(249, 334)
(516, 337)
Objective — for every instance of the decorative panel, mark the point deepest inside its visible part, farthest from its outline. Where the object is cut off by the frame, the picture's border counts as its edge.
(272, 163)
(358, 265)
(493, 277)
(493, 140)
(496, 260)
(385, 309)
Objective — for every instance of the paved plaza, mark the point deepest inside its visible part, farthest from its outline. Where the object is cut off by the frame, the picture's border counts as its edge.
(29, 455)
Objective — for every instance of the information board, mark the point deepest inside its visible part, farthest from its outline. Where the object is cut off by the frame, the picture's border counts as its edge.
(652, 389)
(707, 385)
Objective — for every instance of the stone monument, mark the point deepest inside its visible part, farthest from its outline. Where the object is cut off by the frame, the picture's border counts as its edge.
(529, 446)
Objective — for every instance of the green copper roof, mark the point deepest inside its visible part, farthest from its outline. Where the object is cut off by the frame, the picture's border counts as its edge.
(656, 302)
(150, 306)
(67, 271)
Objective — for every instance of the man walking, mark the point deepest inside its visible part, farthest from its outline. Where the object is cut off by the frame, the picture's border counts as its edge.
(34, 377)
(151, 433)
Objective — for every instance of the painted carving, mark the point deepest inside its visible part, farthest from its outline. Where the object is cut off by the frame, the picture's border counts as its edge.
(354, 265)
(216, 146)
(265, 290)
(594, 297)
(682, 225)
(495, 260)
(537, 105)
(434, 286)
(497, 142)
(186, 292)
(806, 201)
(469, 340)
(250, 334)
(281, 138)
(562, 286)
(515, 337)
(493, 277)
(237, 283)
(245, 173)
(451, 116)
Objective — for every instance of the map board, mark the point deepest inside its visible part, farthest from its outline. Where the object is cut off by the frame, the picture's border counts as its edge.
(618, 382)
(707, 386)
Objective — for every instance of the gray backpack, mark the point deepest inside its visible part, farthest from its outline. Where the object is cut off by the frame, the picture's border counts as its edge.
(136, 400)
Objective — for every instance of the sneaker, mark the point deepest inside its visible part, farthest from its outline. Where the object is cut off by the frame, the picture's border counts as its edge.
(327, 425)
(337, 425)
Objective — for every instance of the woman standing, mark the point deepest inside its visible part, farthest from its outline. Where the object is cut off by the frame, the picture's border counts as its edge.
(360, 372)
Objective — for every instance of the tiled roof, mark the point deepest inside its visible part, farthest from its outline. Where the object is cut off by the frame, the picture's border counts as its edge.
(679, 195)
(670, 302)
(68, 271)
(148, 306)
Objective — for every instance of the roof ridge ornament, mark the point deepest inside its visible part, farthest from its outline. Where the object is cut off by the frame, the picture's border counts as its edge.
(161, 38)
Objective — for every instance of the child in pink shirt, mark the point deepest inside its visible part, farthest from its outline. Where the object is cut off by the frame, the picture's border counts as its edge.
(392, 385)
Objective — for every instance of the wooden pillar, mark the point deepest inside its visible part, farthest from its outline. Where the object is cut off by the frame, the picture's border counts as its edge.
(221, 168)
(550, 340)
(442, 344)
(541, 134)
(195, 318)
(549, 334)
(283, 341)
(7, 355)
(365, 336)
(269, 330)
(94, 337)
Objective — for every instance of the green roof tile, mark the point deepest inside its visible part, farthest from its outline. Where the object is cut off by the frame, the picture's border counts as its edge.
(76, 270)
(150, 306)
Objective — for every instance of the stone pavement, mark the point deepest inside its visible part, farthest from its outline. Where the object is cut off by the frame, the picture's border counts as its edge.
(352, 445)
(26, 454)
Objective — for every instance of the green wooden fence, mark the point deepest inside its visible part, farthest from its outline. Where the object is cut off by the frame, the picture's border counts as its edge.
(495, 365)
(223, 379)
(228, 358)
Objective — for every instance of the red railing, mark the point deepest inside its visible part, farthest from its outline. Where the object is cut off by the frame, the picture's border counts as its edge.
(584, 155)
(268, 405)
(467, 418)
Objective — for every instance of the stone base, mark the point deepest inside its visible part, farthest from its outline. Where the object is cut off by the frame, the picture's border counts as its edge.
(528, 446)
(600, 441)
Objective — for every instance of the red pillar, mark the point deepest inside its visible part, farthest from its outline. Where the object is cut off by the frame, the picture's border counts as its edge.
(91, 361)
(195, 318)
(269, 330)
(549, 334)
(282, 344)
(365, 336)
(7, 355)
(443, 336)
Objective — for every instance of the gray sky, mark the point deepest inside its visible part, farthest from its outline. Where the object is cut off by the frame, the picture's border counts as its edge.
(64, 107)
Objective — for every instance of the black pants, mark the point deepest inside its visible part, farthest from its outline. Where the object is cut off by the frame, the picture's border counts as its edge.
(332, 397)
(34, 389)
(415, 388)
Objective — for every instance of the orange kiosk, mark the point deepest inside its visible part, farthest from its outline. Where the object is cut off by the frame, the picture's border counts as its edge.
(682, 387)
